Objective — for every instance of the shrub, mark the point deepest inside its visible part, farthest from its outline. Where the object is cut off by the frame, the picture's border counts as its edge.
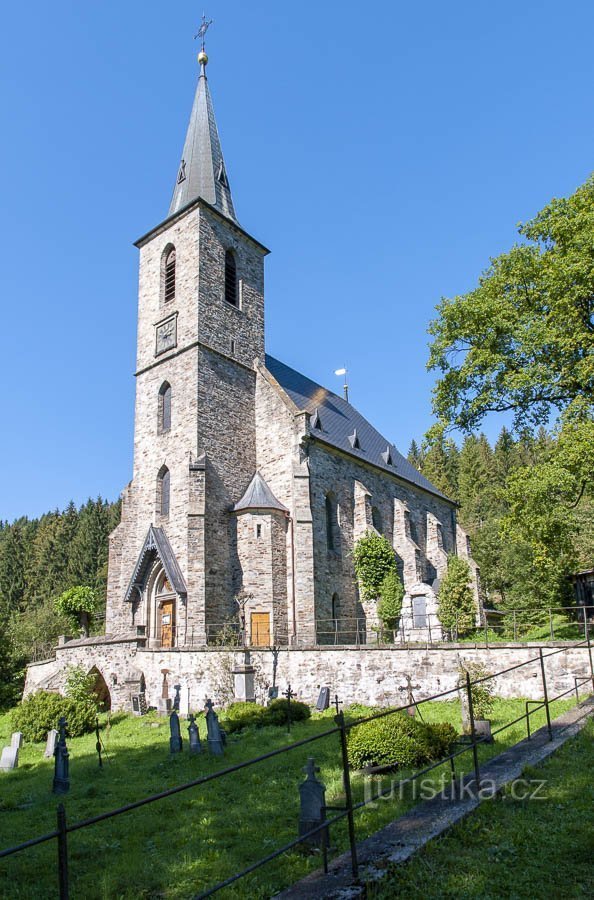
(40, 712)
(398, 740)
(277, 712)
(80, 686)
(482, 694)
(390, 602)
(374, 559)
(456, 607)
(243, 715)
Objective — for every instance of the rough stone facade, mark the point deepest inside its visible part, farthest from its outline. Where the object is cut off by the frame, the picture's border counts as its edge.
(182, 557)
(375, 676)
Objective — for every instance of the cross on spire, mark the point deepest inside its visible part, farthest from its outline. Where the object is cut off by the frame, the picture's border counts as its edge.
(201, 33)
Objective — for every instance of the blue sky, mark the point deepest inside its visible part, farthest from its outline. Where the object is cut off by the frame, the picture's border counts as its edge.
(383, 152)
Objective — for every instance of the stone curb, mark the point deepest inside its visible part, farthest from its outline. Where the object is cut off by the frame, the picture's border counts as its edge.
(399, 840)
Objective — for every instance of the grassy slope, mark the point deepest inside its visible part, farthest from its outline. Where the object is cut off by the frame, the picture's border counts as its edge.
(175, 847)
(514, 848)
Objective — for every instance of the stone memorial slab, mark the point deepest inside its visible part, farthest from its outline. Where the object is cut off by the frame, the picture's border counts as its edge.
(16, 739)
(175, 738)
(9, 759)
(323, 699)
(51, 743)
(312, 794)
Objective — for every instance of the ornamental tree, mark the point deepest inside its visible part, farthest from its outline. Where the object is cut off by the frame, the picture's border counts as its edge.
(374, 559)
(78, 604)
(390, 602)
(456, 608)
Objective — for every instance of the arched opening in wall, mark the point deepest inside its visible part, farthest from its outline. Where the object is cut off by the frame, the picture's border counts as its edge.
(168, 265)
(376, 519)
(101, 690)
(163, 491)
(166, 612)
(231, 295)
(332, 526)
(164, 408)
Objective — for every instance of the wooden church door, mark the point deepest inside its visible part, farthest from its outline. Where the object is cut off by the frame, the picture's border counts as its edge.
(167, 623)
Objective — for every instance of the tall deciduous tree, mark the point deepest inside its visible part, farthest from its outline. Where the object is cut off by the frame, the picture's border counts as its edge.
(522, 340)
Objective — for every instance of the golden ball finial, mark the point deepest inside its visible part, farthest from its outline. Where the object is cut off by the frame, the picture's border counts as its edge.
(202, 58)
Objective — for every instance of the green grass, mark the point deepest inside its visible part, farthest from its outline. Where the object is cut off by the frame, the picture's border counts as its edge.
(176, 847)
(564, 629)
(512, 848)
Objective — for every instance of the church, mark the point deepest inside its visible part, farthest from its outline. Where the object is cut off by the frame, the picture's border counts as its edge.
(251, 483)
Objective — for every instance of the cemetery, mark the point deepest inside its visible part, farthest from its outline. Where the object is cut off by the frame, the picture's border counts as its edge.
(204, 829)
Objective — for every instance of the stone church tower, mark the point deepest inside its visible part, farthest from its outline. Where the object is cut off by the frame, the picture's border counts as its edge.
(200, 328)
(251, 482)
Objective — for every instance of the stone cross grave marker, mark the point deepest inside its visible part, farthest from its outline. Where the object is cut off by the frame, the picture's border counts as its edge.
(9, 759)
(312, 794)
(51, 743)
(195, 745)
(61, 783)
(177, 698)
(215, 737)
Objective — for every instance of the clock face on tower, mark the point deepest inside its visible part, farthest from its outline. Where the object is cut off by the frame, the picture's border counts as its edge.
(166, 335)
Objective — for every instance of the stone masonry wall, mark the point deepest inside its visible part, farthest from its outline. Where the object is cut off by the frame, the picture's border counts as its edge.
(358, 675)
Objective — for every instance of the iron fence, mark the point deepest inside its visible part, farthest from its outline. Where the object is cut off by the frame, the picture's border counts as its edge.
(346, 811)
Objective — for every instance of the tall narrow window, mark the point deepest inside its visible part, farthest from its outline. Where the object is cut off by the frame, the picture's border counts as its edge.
(376, 518)
(230, 278)
(332, 529)
(163, 491)
(169, 275)
(164, 416)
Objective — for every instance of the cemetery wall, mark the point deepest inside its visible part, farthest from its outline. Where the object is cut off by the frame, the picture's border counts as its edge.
(376, 676)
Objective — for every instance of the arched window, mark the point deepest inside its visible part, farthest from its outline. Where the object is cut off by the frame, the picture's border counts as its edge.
(376, 518)
(332, 530)
(230, 278)
(169, 274)
(164, 415)
(163, 491)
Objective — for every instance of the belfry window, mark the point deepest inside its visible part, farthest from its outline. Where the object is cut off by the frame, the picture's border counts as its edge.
(163, 491)
(164, 415)
(230, 278)
(169, 275)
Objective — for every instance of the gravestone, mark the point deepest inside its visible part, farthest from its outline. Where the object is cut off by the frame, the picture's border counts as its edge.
(50, 744)
(164, 702)
(243, 678)
(215, 737)
(16, 740)
(323, 699)
(175, 738)
(61, 783)
(9, 759)
(176, 700)
(312, 794)
(194, 735)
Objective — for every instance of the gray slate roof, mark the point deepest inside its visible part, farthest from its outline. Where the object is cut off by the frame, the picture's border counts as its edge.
(337, 423)
(259, 496)
(202, 170)
(156, 544)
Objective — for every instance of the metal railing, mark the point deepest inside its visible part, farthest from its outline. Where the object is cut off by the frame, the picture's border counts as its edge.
(349, 807)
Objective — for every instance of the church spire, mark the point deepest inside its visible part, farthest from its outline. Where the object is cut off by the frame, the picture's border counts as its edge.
(202, 170)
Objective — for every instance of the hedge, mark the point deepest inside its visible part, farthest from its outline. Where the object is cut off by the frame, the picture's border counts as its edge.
(40, 712)
(399, 740)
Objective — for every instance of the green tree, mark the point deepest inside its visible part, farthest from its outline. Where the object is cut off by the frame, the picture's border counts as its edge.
(440, 465)
(521, 341)
(374, 559)
(415, 455)
(78, 604)
(390, 602)
(456, 607)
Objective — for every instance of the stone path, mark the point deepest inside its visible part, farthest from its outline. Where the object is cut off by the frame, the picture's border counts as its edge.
(404, 836)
